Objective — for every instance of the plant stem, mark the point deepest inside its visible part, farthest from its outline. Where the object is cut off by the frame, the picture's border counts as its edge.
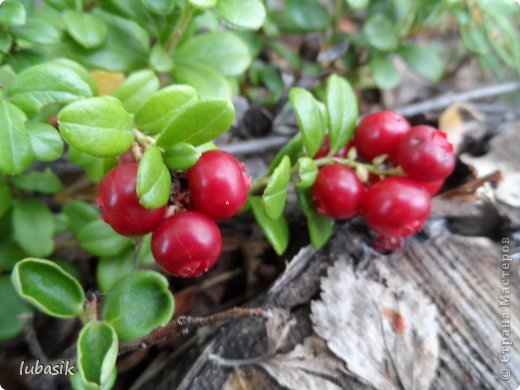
(143, 139)
(184, 324)
(179, 29)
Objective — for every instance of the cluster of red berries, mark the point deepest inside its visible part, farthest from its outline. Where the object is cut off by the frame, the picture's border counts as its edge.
(396, 206)
(187, 243)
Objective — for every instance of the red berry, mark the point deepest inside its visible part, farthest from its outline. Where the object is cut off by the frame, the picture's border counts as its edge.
(426, 155)
(433, 186)
(127, 158)
(396, 207)
(337, 192)
(219, 185)
(121, 209)
(187, 244)
(380, 133)
(325, 149)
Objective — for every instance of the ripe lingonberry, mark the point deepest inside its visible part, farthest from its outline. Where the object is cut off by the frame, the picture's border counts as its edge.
(187, 244)
(380, 133)
(433, 186)
(120, 206)
(325, 149)
(127, 158)
(219, 185)
(425, 154)
(396, 207)
(337, 192)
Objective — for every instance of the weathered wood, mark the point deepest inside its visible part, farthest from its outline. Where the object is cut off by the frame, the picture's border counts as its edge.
(462, 276)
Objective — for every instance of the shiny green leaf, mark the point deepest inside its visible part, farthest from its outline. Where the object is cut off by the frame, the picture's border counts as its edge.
(275, 194)
(48, 287)
(203, 4)
(33, 225)
(320, 226)
(160, 7)
(80, 214)
(100, 239)
(380, 33)
(12, 13)
(37, 31)
(181, 156)
(307, 171)
(86, 28)
(46, 142)
(247, 14)
(160, 60)
(206, 80)
(111, 269)
(136, 89)
(153, 180)
(304, 16)
(276, 231)
(424, 60)
(384, 72)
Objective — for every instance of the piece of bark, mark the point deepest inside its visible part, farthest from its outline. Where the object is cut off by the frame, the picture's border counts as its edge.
(460, 275)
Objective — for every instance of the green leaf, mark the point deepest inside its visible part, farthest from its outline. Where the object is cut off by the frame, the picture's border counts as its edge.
(320, 226)
(160, 108)
(95, 167)
(80, 70)
(10, 254)
(275, 194)
(48, 287)
(45, 182)
(80, 214)
(160, 60)
(223, 51)
(384, 72)
(11, 307)
(343, 112)
(138, 303)
(357, 4)
(77, 382)
(153, 180)
(380, 33)
(15, 149)
(135, 10)
(41, 85)
(100, 239)
(161, 7)
(203, 4)
(310, 119)
(111, 269)
(97, 352)
(62, 5)
(206, 80)
(12, 13)
(276, 231)
(180, 157)
(136, 89)
(304, 16)
(424, 60)
(37, 31)
(61, 224)
(144, 253)
(308, 172)
(99, 126)
(247, 14)
(86, 28)
(198, 123)
(293, 149)
(6, 41)
(6, 198)
(33, 225)
(46, 142)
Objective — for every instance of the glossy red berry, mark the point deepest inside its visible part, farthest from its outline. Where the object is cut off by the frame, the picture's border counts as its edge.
(425, 154)
(219, 185)
(433, 186)
(120, 206)
(396, 207)
(127, 158)
(325, 149)
(337, 192)
(187, 244)
(380, 133)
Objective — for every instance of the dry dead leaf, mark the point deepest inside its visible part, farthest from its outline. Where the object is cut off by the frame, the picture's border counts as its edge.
(457, 120)
(503, 155)
(387, 335)
(307, 366)
(277, 326)
(236, 381)
(107, 82)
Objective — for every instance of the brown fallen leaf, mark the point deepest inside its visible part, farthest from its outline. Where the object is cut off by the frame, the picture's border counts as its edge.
(458, 120)
(277, 326)
(386, 334)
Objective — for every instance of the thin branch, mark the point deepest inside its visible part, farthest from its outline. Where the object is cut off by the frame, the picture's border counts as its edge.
(31, 338)
(184, 324)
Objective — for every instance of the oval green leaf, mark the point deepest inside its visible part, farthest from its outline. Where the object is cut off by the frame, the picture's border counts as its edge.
(181, 156)
(45, 182)
(275, 194)
(80, 214)
(46, 142)
(95, 167)
(97, 350)
(206, 80)
(138, 303)
(276, 231)
(310, 119)
(111, 269)
(41, 85)
(47, 286)
(203, 4)
(424, 60)
(37, 31)
(342, 111)
(77, 382)
(33, 225)
(15, 149)
(384, 72)
(153, 180)
(160, 60)
(308, 172)
(100, 239)
(160, 7)
(223, 51)
(247, 14)
(10, 310)
(136, 89)
(12, 13)
(86, 28)
(6, 199)
(10, 254)
(160, 108)
(99, 126)
(380, 33)
(320, 226)
(198, 123)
